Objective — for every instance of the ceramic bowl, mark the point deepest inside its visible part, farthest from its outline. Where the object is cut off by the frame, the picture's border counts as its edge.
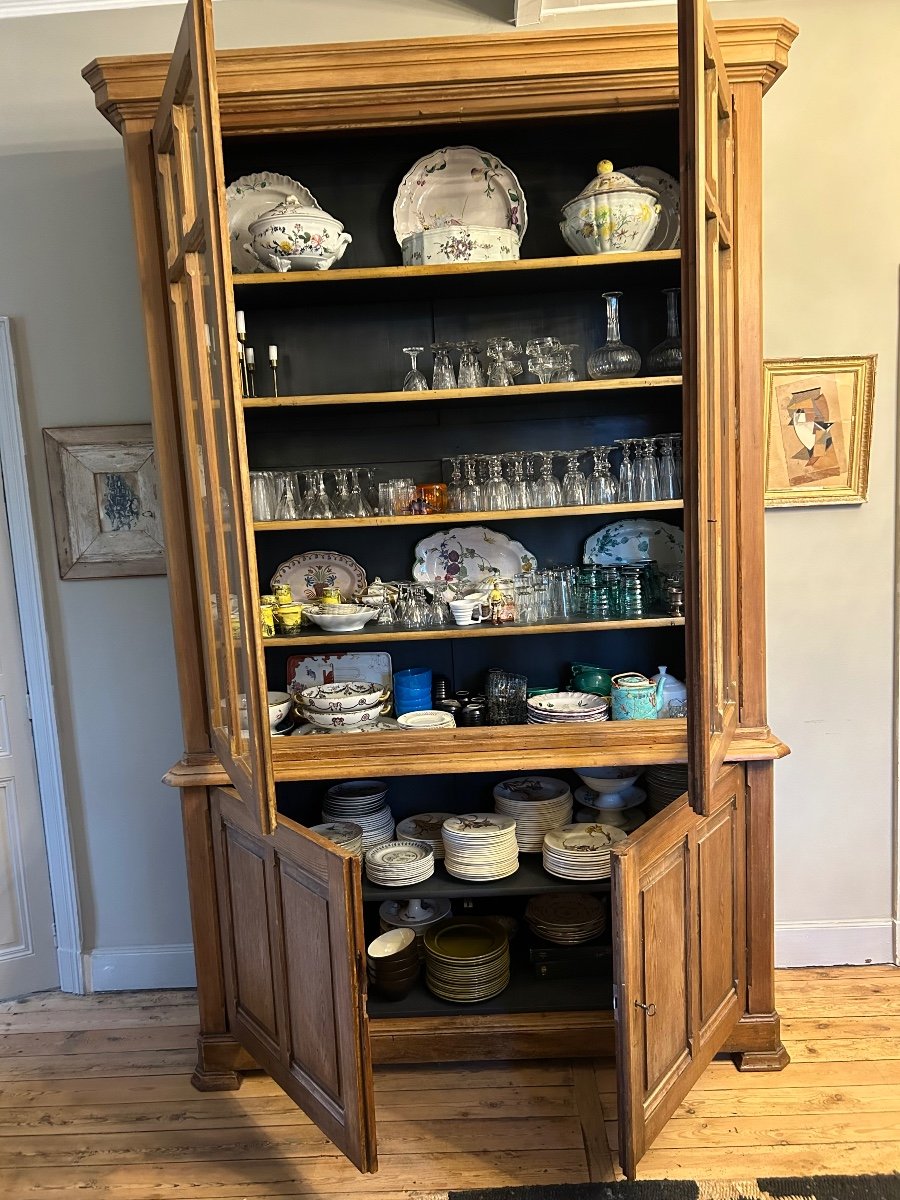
(341, 697)
(608, 779)
(613, 214)
(298, 232)
(394, 991)
(391, 944)
(460, 243)
(342, 622)
(343, 720)
(280, 704)
(392, 971)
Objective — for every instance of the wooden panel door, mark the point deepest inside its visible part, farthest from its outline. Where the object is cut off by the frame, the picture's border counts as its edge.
(290, 916)
(708, 335)
(187, 145)
(679, 947)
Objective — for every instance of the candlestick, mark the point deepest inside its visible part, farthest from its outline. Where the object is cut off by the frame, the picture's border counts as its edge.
(240, 350)
(251, 370)
(273, 363)
(242, 337)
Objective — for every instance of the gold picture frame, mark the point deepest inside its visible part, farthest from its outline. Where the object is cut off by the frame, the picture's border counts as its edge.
(818, 415)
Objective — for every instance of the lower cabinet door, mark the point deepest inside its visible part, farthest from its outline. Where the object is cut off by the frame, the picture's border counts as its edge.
(679, 948)
(290, 914)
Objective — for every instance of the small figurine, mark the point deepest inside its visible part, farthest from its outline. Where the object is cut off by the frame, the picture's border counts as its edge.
(497, 603)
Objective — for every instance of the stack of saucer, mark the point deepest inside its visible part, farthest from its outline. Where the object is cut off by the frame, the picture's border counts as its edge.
(626, 819)
(397, 864)
(425, 828)
(417, 915)
(565, 918)
(467, 959)
(567, 708)
(665, 784)
(580, 851)
(538, 803)
(362, 802)
(480, 846)
(346, 834)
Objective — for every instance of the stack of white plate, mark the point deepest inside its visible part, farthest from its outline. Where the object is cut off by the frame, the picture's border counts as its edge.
(398, 864)
(362, 802)
(427, 718)
(467, 959)
(665, 784)
(566, 919)
(480, 846)
(538, 803)
(417, 915)
(581, 851)
(567, 708)
(346, 834)
(425, 828)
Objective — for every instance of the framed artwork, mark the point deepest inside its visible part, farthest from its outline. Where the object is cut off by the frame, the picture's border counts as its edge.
(818, 429)
(104, 492)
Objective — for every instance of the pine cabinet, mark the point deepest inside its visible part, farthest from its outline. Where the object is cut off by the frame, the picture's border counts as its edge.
(279, 914)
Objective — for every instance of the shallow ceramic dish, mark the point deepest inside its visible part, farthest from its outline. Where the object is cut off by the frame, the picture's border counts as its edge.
(466, 558)
(247, 199)
(382, 725)
(462, 243)
(613, 214)
(341, 697)
(608, 779)
(307, 574)
(459, 185)
(302, 232)
(635, 540)
(426, 718)
(571, 705)
(628, 797)
(342, 622)
(668, 232)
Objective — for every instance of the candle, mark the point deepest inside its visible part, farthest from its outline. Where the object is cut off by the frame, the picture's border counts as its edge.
(239, 318)
(273, 355)
(240, 349)
(250, 356)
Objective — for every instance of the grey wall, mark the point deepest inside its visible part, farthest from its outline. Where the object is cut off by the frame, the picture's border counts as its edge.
(67, 277)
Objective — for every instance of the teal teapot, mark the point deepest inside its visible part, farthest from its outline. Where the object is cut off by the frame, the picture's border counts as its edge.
(588, 678)
(635, 697)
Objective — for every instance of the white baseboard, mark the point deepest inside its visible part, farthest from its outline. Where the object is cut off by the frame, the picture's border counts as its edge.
(833, 943)
(135, 968)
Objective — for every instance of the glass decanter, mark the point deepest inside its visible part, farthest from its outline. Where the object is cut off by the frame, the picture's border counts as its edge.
(613, 360)
(665, 359)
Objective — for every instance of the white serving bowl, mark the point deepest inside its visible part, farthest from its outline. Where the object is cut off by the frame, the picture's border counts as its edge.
(608, 779)
(342, 697)
(342, 622)
(280, 704)
(343, 720)
(298, 232)
(612, 215)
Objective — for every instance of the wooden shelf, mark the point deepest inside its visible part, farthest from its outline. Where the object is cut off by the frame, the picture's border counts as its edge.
(327, 399)
(529, 880)
(394, 633)
(455, 518)
(340, 275)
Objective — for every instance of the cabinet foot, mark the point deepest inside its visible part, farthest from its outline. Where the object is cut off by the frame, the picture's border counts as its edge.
(220, 1061)
(216, 1081)
(762, 1060)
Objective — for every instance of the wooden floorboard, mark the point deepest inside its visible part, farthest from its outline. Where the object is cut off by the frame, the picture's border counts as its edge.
(95, 1098)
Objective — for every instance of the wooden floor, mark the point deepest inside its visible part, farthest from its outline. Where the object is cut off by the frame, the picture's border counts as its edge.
(95, 1098)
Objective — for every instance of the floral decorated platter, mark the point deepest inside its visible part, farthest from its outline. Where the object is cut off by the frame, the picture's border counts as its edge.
(635, 540)
(247, 199)
(667, 234)
(467, 558)
(307, 574)
(459, 185)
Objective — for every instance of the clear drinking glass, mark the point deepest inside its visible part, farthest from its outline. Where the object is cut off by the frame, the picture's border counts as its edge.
(626, 471)
(613, 360)
(496, 494)
(647, 482)
(262, 495)
(471, 373)
(443, 376)
(570, 373)
(602, 485)
(573, 483)
(679, 462)
(666, 359)
(415, 381)
(668, 479)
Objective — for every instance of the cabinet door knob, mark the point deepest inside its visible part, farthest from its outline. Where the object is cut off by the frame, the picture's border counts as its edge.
(649, 1009)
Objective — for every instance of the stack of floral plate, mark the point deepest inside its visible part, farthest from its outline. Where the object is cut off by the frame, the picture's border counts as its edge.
(346, 834)
(566, 919)
(537, 803)
(399, 864)
(567, 708)
(425, 828)
(467, 959)
(665, 784)
(417, 915)
(480, 846)
(581, 851)
(362, 802)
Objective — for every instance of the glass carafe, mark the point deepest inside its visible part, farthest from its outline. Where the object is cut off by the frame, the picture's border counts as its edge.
(613, 360)
(665, 359)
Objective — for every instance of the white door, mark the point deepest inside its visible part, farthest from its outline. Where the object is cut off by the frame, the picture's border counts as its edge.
(28, 960)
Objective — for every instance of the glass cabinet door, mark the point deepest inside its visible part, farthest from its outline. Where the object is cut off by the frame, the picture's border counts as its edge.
(187, 145)
(708, 334)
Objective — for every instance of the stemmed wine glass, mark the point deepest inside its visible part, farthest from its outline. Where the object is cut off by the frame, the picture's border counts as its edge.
(288, 505)
(470, 492)
(647, 483)
(471, 373)
(443, 377)
(318, 506)
(502, 369)
(341, 494)
(454, 487)
(547, 491)
(602, 485)
(626, 471)
(356, 505)
(668, 480)
(573, 489)
(496, 494)
(415, 381)
(262, 495)
(518, 488)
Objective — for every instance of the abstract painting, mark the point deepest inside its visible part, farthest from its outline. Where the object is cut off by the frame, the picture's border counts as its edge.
(818, 429)
(104, 492)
